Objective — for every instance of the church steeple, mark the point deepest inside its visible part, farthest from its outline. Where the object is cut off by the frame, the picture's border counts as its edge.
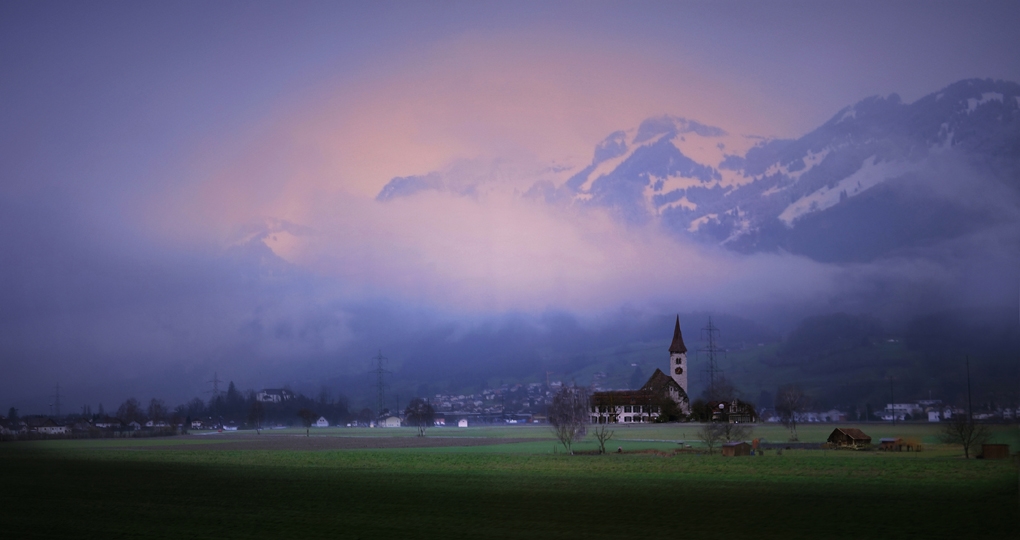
(678, 364)
(677, 347)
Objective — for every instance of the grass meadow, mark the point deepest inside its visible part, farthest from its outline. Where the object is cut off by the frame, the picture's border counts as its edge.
(224, 486)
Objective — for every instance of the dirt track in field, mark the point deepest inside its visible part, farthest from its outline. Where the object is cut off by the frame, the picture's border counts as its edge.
(233, 442)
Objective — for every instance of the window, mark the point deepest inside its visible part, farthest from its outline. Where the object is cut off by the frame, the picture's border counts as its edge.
(627, 408)
(627, 419)
(678, 359)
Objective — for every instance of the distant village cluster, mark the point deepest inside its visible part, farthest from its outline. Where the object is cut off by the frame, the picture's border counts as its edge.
(663, 398)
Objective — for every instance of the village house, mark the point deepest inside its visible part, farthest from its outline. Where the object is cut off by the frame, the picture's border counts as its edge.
(7, 427)
(321, 422)
(733, 411)
(274, 395)
(47, 426)
(108, 422)
(900, 411)
(390, 421)
(645, 404)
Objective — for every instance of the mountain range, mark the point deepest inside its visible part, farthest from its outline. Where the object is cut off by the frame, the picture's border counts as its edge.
(880, 178)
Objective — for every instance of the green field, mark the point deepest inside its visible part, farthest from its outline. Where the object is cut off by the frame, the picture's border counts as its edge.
(223, 486)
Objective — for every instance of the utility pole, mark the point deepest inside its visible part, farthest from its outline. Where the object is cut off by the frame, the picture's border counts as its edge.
(709, 333)
(380, 372)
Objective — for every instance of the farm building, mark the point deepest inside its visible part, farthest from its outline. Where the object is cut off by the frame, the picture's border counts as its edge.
(321, 422)
(995, 451)
(390, 421)
(849, 437)
(738, 448)
(898, 444)
(644, 404)
(462, 422)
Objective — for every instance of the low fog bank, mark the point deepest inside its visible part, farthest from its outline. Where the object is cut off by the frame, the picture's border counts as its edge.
(108, 312)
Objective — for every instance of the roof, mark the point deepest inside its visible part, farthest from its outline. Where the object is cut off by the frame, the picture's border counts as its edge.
(853, 433)
(734, 443)
(622, 397)
(658, 381)
(889, 439)
(677, 346)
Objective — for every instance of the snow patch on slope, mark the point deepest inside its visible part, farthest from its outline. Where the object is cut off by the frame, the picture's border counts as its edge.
(869, 175)
(713, 150)
(973, 103)
(697, 223)
(610, 165)
(810, 160)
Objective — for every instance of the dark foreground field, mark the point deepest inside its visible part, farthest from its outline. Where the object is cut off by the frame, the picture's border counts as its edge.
(186, 487)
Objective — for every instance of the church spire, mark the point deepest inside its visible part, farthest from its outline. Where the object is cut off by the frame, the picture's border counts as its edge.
(678, 346)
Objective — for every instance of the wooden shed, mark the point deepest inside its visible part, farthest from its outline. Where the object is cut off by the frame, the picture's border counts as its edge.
(995, 451)
(738, 448)
(849, 438)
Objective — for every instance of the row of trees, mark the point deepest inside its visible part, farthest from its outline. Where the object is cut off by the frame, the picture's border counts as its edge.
(241, 407)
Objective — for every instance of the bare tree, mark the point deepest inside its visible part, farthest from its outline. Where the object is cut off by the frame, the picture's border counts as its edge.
(130, 411)
(712, 433)
(964, 431)
(419, 413)
(603, 434)
(568, 414)
(257, 415)
(157, 410)
(736, 432)
(790, 402)
(307, 418)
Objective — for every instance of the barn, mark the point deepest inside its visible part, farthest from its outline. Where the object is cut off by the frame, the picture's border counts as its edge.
(737, 448)
(849, 438)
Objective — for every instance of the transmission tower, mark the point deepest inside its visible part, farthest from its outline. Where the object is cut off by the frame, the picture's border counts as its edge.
(380, 384)
(56, 400)
(215, 382)
(709, 334)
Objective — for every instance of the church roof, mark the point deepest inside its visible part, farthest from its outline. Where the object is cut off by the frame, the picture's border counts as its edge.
(658, 381)
(678, 339)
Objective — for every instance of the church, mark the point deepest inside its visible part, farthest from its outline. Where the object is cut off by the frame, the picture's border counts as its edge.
(662, 393)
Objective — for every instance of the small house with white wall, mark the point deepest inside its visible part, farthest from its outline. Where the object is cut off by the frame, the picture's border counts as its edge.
(390, 421)
(462, 422)
(321, 422)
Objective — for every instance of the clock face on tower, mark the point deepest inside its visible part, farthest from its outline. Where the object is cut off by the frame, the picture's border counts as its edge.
(678, 370)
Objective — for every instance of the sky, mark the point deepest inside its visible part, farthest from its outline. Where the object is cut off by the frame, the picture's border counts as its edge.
(190, 187)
